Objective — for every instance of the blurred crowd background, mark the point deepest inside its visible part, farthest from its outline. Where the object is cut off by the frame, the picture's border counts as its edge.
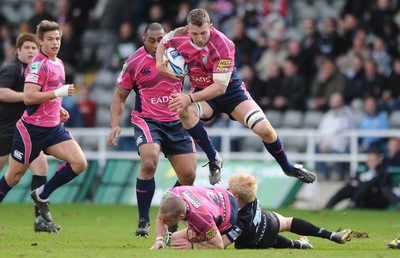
(330, 65)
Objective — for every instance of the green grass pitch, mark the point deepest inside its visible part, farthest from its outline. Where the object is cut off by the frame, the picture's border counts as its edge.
(108, 231)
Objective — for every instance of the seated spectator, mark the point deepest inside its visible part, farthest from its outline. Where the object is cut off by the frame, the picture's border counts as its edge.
(355, 75)
(125, 47)
(270, 88)
(75, 119)
(70, 51)
(372, 119)
(87, 107)
(40, 13)
(328, 80)
(275, 53)
(391, 96)
(292, 82)
(337, 119)
(364, 190)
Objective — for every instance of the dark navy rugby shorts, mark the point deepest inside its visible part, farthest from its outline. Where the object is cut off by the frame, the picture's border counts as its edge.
(29, 140)
(171, 136)
(235, 94)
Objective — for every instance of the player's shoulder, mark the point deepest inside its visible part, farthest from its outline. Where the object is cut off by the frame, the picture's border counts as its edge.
(11, 67)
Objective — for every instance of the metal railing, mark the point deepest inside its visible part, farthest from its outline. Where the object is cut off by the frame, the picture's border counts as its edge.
(98, 149)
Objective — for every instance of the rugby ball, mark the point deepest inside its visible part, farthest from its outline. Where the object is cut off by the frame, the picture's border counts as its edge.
(176, 62)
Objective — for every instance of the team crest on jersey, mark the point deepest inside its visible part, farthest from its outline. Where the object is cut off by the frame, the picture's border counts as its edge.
(146, 70)
(204, 58)
(210, 234)
(223, 65)
(34, 68)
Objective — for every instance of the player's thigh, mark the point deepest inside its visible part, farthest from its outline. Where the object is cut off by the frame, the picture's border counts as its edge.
(264, 128)
(71, 152)
(242, 109)
(185, 165)
(284, 222)
(206, 110)
(39, 166)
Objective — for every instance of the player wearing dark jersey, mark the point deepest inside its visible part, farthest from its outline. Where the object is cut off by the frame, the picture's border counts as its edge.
(218, 88)
(11, 108)
(258, 229)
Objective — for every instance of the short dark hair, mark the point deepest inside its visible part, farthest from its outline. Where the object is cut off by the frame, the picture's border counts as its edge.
(23, 37)
(153, 26)
(45, 26)
(198, 17)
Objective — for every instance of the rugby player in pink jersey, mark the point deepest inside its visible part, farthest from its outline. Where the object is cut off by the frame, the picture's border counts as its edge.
(156, 128)
(218, 88)
(40, 127)
(207, 212)
(12, 106)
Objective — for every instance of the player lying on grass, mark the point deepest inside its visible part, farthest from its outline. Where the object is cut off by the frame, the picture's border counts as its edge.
(255, 228)
(207, 212)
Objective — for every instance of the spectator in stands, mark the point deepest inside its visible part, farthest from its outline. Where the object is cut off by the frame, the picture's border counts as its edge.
(87, 107)
(372, 119)
(392, 97)
(292, 82)
(329, 42)
(309, 43)
(76, 118)
(111, 14)
(380, 13)
(355, 76)
(275, 53)
(70, 52)
(244, 45)
(297, 55)
(381, 56)
(40, 13)
(253, 84)
(363, 190)
(373, 83)
(125, 47)
(270, 87)
(328, 80)
(347, 27)
(359, 47)
(360, 8)
(337, 119)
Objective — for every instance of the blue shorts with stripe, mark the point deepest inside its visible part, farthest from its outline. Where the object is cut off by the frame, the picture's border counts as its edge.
(29, 140)
(235, 94)
(171, 136)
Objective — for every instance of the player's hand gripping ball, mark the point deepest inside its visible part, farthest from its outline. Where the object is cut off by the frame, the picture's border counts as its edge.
(176, 62)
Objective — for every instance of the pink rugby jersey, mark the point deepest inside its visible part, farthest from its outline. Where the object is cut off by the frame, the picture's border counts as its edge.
(153, 90)
(216, 57)
(205, 205)
(49, 75)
